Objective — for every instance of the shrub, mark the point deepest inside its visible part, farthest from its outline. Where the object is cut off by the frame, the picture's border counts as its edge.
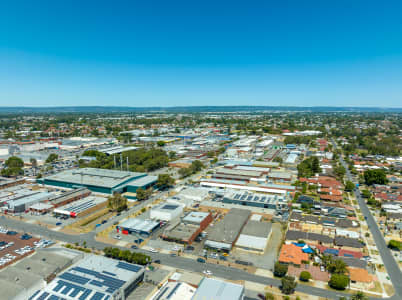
(305, 276)
(339, 281)
(280, 270)
(395, 245)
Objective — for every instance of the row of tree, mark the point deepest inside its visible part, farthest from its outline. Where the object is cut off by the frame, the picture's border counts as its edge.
(127, 255)
(309, 167)
(140, 160)
(195, 167)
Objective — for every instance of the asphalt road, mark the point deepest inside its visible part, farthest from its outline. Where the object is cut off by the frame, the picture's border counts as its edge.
(166, 259)
(217, 270)
(389, 262)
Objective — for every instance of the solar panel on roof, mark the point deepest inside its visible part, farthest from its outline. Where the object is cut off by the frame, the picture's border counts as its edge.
(66, 289)
(96, 283)
(74, 278)
(85, 295)
(170, 206)
(43, 296)
(34, 294)
(53, 297)
(129, 267)
(97, 296)
(109, 273)
(237, 196)
(249, 198)
(243, 197)
(58, 287)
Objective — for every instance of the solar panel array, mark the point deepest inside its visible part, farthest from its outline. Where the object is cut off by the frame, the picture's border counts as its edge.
(253, 198)
(170, 206)
(81, 207)
(85, 283)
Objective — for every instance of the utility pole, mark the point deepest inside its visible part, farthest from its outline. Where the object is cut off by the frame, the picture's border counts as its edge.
(114, 157)
(127, 163)
(121, 162)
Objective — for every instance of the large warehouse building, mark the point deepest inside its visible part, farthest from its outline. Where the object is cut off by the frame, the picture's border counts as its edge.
(254, 236)
(225, 233)
(94, 277)
(101, 180)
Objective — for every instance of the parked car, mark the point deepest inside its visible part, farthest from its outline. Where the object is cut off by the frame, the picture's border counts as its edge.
(134, 247)
(200, 260)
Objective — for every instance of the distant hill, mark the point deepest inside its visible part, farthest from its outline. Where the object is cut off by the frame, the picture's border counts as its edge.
(190, 109)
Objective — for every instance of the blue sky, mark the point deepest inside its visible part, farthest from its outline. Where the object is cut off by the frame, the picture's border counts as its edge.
(177, 53)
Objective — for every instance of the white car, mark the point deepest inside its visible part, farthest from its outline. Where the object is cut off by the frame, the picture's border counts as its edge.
(153, 250)
(207, 272)
(118, 237)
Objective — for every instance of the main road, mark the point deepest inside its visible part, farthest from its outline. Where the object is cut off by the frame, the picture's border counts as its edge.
(390, 264)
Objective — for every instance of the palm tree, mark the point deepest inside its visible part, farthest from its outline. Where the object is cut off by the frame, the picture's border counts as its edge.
(34, 164)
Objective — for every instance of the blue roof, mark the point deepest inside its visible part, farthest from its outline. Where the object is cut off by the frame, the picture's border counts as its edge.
(307, 250)
(331, 251)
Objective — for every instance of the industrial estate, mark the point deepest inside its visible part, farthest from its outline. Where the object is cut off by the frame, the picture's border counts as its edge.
(201, 206)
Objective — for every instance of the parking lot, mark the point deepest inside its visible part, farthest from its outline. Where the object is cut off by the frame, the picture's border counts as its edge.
(48, 218)
(14, 246)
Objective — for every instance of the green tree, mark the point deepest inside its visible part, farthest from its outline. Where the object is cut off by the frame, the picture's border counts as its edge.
(366, 194)
(359, 296)
(288, 285)
(13, 167)
(196, 166)
(52, 157)
(185, 172)
(395, 245)
(160, 143)
(165, 181)
(349, 186)
(339, 281)
(309, 167)
(336, 266)
(141, 194)
(172, 154)
(305, 276)
(14, 162)
(34, 162)
(280, 270)
(210, 154)
(375, 177)
(117, 202)
(340, 171)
